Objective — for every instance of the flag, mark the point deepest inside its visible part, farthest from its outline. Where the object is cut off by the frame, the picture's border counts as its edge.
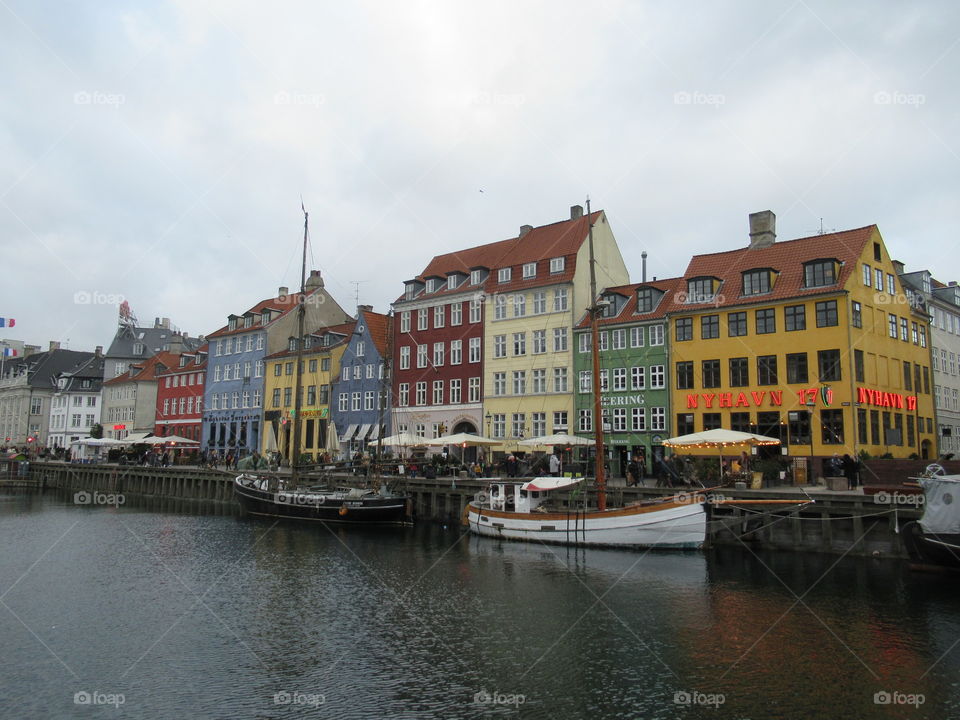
(7, 322)
(9, 352)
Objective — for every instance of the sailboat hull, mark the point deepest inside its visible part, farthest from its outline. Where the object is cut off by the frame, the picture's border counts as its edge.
(331, 507)
(931, 551)
(669, 525)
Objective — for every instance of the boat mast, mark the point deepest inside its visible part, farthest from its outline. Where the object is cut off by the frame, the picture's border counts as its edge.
(595, 308)
(301, 311)
(382, 394)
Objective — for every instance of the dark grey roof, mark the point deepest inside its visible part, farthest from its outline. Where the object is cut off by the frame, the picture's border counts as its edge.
(153, 339)
(43, 368)
(92, 371)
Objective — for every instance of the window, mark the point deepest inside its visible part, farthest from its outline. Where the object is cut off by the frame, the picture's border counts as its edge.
(560, 300)
(586, 381)
(638, 378)
(560, 380)
(405, 357)
(519, 305)
(795, 317)
(867, 275)
(499, 383)
(455, 391)
(832, 421)
(684, 423)
(503, 275)
(452, 282)
(657, 377)
(519, 382)
(602, 340)
(529, 270)
(619, 419)
(699, 290)
(474, 390)
(422, 319)
(711, 421)
(638, 419)
(710, 373)
(438, 353)
(439, 316)
(892, 326)
(923, 336)
(658, 419)
(914, 336)
(474, 349)
(557, 264)
(756, 282)
(827, 313)
(740, 421)
(456, 352)
(456, 314)
(710, 327)
(856, 314)
(819, 273)
(656, 335)
(560, 339)
(636, 337)
(766, 321)
(421, 356)
(438, 392)
(619, 339)
(421, 393)
(539, 302)
(878, 279)
(476, 276)
(736, 324)
(619, 379)
(370, 368)
(560, 421)
(404, 395)
(858, 366)
(891, 285)
(499, 425)
(645, 300)
(874, 427)
(584, 342)
(519, 424)
(539, 342)
(519, 343)
(475, 308)
(797, 368)
(499, 307)
(585, 420)
(766, 370)
(684, 329)
(907, 376)
(539, 380)
(904, 330)
(227, 369)
(828, 365)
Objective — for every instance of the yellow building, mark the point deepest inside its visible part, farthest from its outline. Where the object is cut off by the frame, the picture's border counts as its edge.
(535, 294)
(321, 361)
(812, 340)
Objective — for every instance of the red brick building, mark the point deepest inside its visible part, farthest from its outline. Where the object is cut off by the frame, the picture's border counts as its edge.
(180, 396)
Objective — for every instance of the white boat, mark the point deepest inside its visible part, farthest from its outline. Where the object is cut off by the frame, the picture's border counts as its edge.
(533, 511)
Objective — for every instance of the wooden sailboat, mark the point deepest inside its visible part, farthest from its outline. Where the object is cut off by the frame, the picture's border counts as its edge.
(282, 496)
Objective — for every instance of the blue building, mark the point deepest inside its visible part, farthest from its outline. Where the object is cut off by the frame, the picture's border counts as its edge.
(360, 405)
(233, 396)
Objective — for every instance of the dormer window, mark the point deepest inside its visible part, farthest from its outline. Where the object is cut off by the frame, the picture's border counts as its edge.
(757, 282)
(232, 323)
(410, 289)
(431, 285)
(701, 290)
(248, 321)
(292, 344)
(820, 273)
(265, 317)
(529, 270)
(307, 342)
(476, 277)
(557, 264)
(138, 348)
(503, 275)
(647, 299)
(183, 360)
(452, 282)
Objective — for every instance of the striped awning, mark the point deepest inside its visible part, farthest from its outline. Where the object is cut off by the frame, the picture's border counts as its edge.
(349, 433)
(375, 431)
(364, 431)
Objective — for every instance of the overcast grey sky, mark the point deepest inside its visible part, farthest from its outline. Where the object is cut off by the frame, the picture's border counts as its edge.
(158, 151)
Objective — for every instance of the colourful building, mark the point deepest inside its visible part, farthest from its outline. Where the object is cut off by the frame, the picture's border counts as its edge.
(803, 340)
(180, 396)
(321, 359)
(633, 372)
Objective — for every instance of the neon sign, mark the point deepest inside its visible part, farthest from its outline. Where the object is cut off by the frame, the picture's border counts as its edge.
(878, 398)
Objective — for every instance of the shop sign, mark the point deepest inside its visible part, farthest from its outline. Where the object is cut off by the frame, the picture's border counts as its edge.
(879, 398)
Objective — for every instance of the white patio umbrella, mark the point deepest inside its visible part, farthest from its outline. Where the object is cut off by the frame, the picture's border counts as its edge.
(164, 439)
(333, 442)
(463, 439)
(558, 439)
(403, 439)
(719, 438)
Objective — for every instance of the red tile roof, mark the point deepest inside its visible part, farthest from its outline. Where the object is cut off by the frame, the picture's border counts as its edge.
(628, 314)
(192, 365)
(378, 325)
(787, 258)
(147, 370)
(345, 329)
(559, 239)
(283, 303)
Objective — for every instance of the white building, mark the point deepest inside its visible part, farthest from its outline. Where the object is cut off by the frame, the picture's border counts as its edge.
(75, 405)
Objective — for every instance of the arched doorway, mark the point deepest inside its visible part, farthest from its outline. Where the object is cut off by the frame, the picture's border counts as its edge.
(465, 454)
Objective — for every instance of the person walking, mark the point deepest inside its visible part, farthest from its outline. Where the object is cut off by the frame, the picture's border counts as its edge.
(849, 466)
(633, 473)
(554, 465)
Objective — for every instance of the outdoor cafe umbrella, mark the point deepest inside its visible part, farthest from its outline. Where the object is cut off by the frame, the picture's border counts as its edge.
(403, 439)
(558, 439)
(719, 438)
(333, 442)
(164, 439)
(463, 439)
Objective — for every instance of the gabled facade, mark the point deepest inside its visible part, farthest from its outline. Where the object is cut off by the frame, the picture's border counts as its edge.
(634, 371)
(233, 394)
(361, 407)
(75, 405)
(179, 408)
(130, 400)
(321, 358)
(802, 340)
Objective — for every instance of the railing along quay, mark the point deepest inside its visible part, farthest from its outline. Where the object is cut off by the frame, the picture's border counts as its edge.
(839, 522)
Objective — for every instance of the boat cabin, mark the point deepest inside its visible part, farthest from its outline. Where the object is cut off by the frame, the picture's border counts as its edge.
(526, 496)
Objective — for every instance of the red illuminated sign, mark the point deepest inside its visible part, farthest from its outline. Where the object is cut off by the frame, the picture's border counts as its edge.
(729, 400)
(119, 427)
(878, 398)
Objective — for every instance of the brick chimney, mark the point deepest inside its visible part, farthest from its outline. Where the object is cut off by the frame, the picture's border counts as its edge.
(176, 344)
(576, 212)
(524, 229)
(54, 345)
(763, 226)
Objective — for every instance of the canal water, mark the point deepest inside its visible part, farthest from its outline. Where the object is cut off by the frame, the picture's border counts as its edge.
(138, 611)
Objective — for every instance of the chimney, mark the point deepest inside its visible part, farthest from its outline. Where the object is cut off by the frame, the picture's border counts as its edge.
(54, 345)
(365, 308)
(643, 266)
(165, 323)
(524, 229)
(99, 351)
(283, 291)
(176, 344)
(576, 212)
(156, 322)
(314, 281)
(763, 226)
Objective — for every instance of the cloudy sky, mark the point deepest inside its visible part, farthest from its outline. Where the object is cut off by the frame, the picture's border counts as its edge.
(158, 151)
